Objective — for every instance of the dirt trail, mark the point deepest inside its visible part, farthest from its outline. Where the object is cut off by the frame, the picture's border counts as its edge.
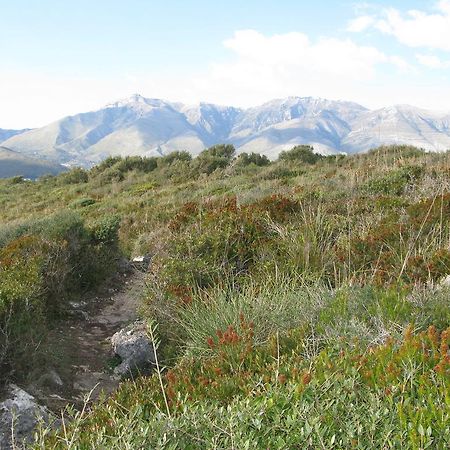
(81, 347)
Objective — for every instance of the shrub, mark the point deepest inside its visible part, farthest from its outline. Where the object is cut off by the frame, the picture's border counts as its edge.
(210, 241)
(22, 317)
(213, 158)
(300, 154)
(74, 176)
(42, 264)
(281, 172)
(105, 230)
(17, 180)
(145, 165)
(248, 396)
(141, 189)
(106, 164)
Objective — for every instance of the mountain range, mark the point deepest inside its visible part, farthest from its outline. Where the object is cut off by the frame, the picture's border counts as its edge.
(150, 127)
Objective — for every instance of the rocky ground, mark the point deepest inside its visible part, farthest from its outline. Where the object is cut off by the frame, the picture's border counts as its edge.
(84, 341)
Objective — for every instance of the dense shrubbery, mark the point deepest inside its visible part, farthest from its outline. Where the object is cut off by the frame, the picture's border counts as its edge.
(43, 264)
(216, 241)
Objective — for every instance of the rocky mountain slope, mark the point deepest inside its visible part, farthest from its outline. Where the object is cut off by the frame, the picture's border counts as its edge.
(150, 127)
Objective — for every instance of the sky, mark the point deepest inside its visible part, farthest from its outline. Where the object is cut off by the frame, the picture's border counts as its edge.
(59, 58)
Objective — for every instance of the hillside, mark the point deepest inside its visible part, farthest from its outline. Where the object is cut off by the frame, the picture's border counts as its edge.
(15, 164)
(6, 134)
(295, 303)
(152, 127)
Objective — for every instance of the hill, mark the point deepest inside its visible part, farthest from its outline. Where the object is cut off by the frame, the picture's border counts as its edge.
(295, 303)
(152, 127)
(15, 164)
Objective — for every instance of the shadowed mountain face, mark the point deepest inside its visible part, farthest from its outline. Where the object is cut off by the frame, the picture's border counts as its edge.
(15, 164)
(150, 127)
(6, 134)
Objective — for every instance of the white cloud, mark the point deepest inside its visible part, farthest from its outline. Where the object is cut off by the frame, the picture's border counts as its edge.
(432, 61)
(414, 28)
(401, 63)
(294, 53)
(360, 24)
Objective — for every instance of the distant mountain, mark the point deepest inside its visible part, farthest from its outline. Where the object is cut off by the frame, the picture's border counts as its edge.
(142, 126)
(15, 164)
(281, 124)
(6, 134)
(401, 124)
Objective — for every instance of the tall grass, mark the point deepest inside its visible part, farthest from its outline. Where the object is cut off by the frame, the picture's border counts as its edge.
(366, 315)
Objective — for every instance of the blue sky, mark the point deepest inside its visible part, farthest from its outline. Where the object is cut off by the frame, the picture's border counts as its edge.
(60, 57)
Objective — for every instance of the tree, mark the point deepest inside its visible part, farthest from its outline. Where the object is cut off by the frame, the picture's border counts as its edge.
(245, 159)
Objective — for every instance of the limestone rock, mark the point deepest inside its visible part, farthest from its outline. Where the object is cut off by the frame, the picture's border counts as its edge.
(135, 349)
(19, 412)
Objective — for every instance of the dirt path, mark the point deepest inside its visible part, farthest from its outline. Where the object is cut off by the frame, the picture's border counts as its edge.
(81, 349)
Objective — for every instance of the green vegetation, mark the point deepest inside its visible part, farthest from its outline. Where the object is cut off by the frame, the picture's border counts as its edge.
(282, 292)
(43, 264)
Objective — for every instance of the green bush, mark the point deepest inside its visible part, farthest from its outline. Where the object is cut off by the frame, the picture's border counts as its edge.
(270, 396)
(17, 180)
(213, 158)
(173, 157)
(300, 154)
(105, 230)
(74, 176)
(137, 163)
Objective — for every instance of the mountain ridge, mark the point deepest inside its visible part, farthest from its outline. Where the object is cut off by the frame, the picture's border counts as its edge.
(148, 127)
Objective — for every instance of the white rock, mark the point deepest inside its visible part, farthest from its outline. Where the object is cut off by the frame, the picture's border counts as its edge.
(21, 410)
(134, 347)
